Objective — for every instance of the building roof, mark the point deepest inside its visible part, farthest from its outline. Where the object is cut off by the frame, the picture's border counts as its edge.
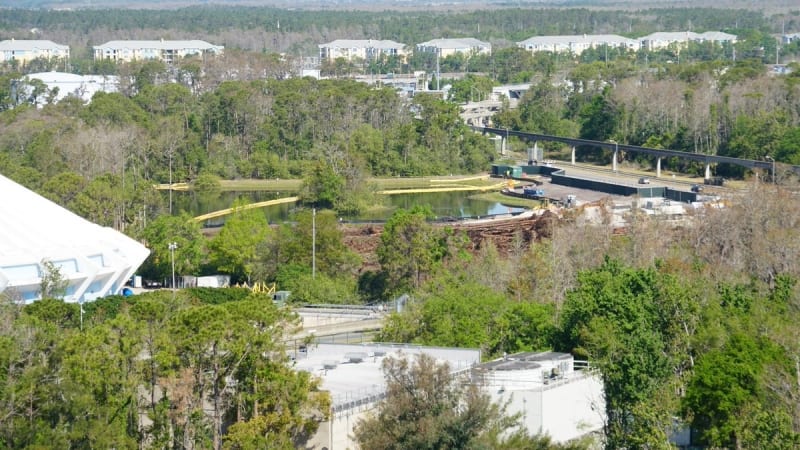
(159, 45)
(30, 45)
(96, 260)
(454, 43)
(676, 36)
(81, 86)
(363, 43)
(352, 373)
(575, 39)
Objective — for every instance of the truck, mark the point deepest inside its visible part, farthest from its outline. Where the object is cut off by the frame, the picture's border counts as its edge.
(533, 191)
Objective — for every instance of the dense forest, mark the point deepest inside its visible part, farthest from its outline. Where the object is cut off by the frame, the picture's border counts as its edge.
(694, 324)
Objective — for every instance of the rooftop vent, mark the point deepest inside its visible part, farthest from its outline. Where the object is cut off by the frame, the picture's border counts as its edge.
(355, 357)
(327, 365)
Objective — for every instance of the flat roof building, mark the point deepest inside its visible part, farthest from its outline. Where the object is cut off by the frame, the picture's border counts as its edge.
(363, 49)
(447, 47)
(166, 51)
(552, 396)
(70, 85)
(577, 44)
(24, 51)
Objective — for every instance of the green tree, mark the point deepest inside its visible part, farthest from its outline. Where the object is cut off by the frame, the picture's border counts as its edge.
(235, 249)
(181, 230)
(409, 249)
(427, 408)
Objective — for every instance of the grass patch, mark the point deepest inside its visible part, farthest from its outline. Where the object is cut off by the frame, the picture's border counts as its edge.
(291, 185)
(294, 185)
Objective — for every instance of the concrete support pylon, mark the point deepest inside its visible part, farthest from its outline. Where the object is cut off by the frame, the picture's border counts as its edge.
(658, 167)
(614, 160)
(573, 155)
(708, 172)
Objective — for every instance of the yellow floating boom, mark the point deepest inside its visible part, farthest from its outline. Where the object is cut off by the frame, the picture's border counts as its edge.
(494, 187)
(225, 212)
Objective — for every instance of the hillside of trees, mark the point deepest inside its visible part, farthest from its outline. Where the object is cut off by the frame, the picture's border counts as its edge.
(695, 323)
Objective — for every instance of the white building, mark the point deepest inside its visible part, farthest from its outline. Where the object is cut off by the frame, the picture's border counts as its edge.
(362, 49)
(63, 85)
(789, 38)
(24, 51)
(95, 261)
(447, 47)
(663, 39)
(564, 403)
(553, 397)
(577, 44)
(166, 51)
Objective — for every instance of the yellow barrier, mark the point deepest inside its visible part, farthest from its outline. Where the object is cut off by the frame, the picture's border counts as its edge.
(225, 212)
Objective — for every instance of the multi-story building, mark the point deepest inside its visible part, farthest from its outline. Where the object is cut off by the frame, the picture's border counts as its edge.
(166, 51)
(24, 51)
(364, 49)
(577, 44)
(447, 47)
(664, 39)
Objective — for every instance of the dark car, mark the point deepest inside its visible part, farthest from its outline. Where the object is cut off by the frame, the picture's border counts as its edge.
(697, 188)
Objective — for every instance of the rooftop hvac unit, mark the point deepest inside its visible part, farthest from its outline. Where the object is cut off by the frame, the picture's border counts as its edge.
(355, 357)
(328, 365)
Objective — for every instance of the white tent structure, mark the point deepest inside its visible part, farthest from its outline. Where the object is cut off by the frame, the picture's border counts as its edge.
(95, 261)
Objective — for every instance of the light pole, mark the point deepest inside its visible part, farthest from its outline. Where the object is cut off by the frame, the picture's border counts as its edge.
(774, 178)
(313, 243)
(172, 247)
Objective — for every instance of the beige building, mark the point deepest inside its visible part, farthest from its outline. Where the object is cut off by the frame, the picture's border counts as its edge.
(447, 47)
(166, 51)
(577, 44)
(24, 51)
(363, 49)
(662, 39)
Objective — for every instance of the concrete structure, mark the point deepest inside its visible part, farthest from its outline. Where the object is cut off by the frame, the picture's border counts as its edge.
(362, 49)
(662, 39)
(447, 47)
(552, 397)
(577, 44)
(789, 38)
(24, 51)
(95, 261)
(353, 376)
(62, 85)
(166, 51)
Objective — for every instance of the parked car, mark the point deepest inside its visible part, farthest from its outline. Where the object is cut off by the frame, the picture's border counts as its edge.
(644, 180)
(697, 188)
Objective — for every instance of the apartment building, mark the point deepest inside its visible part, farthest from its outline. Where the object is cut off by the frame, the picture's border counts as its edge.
(577, 44)
(664, 39)
(166, 51)
(448, 47)
(363, 49)
(24, 51)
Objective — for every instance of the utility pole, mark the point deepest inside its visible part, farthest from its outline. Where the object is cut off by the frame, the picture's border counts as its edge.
(172, 247)
(313, 243)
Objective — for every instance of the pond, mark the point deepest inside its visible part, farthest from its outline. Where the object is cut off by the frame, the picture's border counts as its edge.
(456, 204)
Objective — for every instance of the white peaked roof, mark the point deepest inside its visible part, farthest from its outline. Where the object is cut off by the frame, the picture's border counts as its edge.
(363, 43)
(161, 45)
(31, 45)
(95, 261)
(454, 43)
